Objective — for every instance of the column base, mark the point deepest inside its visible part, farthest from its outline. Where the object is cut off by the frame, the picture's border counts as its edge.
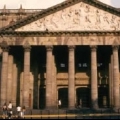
(116, 109)
(71, 108)
(51, 108)
(95, 107)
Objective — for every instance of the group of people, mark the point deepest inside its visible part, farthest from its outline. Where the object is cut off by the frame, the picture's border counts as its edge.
(8, 111)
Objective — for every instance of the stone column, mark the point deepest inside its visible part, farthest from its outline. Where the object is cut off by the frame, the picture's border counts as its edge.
(14, 85)
(26, 76)
(116, 77)
(71, 77)
(94, 81)
(21, 88)
(4, 73)
(31, 91)
(49, 77)
(111, 81)
(110, 100)
(54, 83)
(10, 78)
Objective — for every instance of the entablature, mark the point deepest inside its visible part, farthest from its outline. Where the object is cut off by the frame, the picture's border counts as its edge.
(62, 38)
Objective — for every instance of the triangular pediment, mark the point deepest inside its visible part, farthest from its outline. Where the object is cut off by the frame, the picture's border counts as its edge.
(81, 16)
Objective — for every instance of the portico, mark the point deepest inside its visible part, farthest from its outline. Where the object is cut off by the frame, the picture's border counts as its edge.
(58, 56)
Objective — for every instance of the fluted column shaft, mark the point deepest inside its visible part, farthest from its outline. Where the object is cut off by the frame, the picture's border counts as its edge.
(115, 77)
(71, 77)
(94, 82)
(4, 72)
(26, 76)
(49, 77)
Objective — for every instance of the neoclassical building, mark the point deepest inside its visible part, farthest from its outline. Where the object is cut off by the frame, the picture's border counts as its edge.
(68, 52)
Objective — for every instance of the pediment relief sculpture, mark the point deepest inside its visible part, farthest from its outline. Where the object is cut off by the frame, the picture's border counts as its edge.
(78, 17)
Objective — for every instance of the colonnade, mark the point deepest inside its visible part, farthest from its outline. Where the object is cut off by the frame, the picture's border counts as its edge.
(51, 102)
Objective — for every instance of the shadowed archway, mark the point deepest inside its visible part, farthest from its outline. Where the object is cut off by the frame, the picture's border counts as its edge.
(83, 96)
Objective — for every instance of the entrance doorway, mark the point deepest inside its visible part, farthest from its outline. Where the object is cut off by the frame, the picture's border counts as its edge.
(83, 97)
(103, 99)
(63, 96)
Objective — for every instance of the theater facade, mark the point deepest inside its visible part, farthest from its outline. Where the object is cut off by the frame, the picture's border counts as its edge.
(68, 52)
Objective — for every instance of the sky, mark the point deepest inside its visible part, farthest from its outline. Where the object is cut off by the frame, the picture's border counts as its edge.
(42, 4)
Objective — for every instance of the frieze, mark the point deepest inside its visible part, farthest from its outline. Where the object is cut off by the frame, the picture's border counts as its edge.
(112, 40)
(81, 40)
(78, 17)
(92, 40)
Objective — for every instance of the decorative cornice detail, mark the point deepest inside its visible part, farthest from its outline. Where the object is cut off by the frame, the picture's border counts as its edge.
(58, 33)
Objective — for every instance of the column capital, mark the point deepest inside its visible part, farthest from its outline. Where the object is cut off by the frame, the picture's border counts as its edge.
(4, 46)
(93, 47)
(27, 47)
(49, 47)
(71, 47)
(115, 47)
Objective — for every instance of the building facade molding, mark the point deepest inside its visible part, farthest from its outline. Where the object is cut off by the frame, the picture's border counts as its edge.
(64, 40)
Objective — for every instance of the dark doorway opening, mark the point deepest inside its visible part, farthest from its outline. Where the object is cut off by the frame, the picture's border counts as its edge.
(103, 100)
(83, 97)
(63, 96)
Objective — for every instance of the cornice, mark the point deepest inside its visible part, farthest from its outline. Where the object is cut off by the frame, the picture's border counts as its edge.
(59, 33)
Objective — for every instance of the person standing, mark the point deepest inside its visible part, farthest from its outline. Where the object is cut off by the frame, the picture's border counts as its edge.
(10, 105)
(23, 112)
(9, 113)
(19, 111)
(9, 108)
(4, 109)
(59, 103)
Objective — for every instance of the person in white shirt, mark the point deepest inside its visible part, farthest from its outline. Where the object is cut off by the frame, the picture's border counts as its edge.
(10, 105)
(19, 111)
(59, 103)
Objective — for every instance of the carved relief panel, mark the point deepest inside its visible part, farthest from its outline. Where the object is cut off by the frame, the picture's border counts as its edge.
(78, 17)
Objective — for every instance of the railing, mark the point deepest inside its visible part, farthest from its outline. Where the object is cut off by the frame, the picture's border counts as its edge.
(17, 10)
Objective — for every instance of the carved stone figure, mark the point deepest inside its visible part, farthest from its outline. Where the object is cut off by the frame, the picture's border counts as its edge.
(78, 17)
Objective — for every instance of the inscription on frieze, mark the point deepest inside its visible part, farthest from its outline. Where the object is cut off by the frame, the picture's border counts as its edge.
(78, 17)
